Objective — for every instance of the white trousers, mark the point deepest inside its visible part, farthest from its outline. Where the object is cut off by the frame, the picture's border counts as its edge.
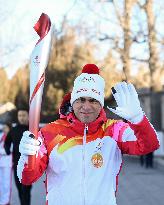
(5, 185)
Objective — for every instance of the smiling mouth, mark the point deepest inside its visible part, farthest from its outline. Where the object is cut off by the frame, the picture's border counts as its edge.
(85, 113)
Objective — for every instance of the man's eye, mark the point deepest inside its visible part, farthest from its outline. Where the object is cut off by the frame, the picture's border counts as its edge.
(82, 99)
(93, 101)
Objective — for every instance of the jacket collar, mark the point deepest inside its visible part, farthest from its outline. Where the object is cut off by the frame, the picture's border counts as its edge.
(79, 127)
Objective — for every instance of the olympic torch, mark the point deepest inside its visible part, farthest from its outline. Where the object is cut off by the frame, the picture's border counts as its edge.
(39, 61)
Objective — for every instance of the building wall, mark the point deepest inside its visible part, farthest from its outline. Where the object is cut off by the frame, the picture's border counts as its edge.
(146, 105)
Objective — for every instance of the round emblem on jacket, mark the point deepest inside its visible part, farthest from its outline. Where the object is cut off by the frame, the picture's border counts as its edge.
(97, 160)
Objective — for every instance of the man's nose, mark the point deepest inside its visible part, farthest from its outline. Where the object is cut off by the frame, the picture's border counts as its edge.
(86, 105)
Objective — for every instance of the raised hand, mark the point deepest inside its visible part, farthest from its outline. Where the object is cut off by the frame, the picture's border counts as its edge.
(128, 104)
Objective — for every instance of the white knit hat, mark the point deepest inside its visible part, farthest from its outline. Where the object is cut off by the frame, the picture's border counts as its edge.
(89, 84)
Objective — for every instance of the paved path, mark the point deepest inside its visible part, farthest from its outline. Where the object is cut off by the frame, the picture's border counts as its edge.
(137, 186)
(38, 193)
(140, 186)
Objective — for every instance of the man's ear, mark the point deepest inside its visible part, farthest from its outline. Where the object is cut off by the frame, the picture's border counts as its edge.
(66, 108)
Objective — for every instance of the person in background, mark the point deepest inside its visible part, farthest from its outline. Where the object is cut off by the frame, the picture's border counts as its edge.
(5, 168)
(149, 160)
(142, 160)
(82, 151)
(13, 138)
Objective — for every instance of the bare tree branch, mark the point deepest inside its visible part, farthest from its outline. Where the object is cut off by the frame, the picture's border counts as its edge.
(102, 17)
(106, 37)
(140, 60)
(70, 9)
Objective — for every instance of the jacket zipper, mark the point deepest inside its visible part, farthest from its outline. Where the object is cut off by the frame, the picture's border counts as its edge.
(84, 164)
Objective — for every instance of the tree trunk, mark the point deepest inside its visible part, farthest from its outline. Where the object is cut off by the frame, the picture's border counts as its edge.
(153, 55)
(127, 39)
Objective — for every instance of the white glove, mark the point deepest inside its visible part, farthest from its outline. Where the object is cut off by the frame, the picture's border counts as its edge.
(128, 103)
(28, 145)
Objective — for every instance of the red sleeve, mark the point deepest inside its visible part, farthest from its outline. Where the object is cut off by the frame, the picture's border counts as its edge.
(146, 142)
(31, 176)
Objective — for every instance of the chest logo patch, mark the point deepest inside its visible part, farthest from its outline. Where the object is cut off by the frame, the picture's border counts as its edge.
(97, 160)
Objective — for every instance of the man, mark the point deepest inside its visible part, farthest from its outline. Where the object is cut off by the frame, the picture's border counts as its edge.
(14, 138)
(82, 151)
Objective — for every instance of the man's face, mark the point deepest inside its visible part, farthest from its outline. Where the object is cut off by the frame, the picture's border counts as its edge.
(23, 117)
(86, 109)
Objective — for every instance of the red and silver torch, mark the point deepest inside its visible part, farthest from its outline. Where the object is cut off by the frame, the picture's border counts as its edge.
(39, 61)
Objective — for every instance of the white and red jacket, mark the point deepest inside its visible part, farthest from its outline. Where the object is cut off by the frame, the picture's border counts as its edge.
(5, 160)
(5, 173)
(82, 162)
